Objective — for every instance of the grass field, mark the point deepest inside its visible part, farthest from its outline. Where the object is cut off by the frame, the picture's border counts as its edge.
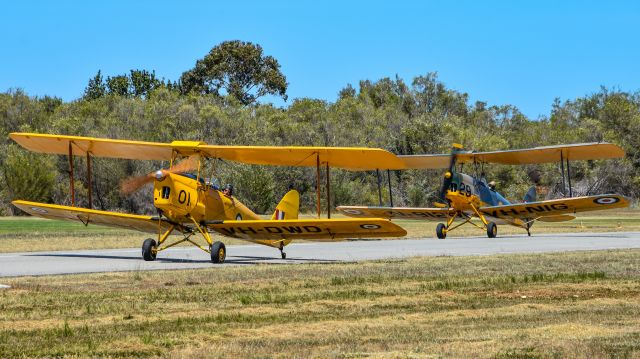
(22, 234)
(582, 304)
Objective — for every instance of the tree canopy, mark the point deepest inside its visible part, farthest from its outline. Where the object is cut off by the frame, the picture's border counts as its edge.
(420, 116)
(237, 68)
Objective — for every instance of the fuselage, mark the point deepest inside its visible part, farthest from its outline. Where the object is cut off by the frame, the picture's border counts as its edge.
(466, 192)
(181, 198)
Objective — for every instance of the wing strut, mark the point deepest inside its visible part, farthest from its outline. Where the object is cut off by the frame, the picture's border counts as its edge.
(564, 185)
(569, 178)
(318, 183)
(390, 194)
(379, 187)
(71, 187)
(89, 186)
(328, 193)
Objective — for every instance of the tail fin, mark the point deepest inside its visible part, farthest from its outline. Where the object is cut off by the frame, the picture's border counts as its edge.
(530, 196)
(288, 206)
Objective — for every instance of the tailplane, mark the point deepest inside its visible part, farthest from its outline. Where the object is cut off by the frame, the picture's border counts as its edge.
(288, 206)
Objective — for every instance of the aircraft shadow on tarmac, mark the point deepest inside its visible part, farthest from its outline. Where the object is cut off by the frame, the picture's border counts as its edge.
(229, 260)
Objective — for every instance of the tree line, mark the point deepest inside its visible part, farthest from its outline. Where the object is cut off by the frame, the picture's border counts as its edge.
(217, 102)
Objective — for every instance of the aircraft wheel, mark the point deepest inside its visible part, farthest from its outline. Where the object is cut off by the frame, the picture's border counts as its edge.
(492, 230)
(284, 255)
(441, 231)
(148, 249)
(218, 252)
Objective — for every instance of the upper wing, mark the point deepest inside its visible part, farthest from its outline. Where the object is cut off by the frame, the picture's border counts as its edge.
(310, 229)
(556, 207)
(98, 147)
(547, 154)
(425, 161)
(352, 158)
(396, 212)
(113, 219)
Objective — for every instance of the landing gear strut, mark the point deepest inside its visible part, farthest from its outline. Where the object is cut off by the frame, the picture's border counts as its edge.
(282, 253)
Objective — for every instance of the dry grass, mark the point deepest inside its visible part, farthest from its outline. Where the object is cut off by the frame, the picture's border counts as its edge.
(583, 304)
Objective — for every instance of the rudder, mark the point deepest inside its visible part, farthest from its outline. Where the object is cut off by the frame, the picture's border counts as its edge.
(288, 206)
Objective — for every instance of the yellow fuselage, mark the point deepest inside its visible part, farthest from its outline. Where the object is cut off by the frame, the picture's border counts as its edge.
(181, 198)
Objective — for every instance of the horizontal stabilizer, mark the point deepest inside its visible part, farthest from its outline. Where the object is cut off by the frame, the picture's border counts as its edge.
(557, 218)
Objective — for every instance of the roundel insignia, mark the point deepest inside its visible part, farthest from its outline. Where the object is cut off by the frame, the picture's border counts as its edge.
(369, 226)
(606, 200)
(238, 217)
(352, 211)
(39, 210)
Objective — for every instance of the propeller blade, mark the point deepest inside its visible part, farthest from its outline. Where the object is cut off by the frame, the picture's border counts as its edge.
(448, 176)
(134, 183)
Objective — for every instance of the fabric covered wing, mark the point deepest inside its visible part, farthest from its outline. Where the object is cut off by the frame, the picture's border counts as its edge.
(351, 158)
(435, 214)
(309, 229)
(546, 154)
(86, 216)
(98, 147)
(555, 207)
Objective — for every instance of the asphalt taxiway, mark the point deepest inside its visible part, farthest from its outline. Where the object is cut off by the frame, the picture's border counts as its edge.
(114, 260)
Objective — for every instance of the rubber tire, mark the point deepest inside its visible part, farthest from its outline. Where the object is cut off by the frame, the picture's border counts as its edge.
(147, 250)
(492, 230)
(216, 256)
(441, 231)
(283, 255)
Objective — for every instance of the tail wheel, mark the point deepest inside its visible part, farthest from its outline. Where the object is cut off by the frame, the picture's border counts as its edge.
(218, 252)
(492, 230)
(149, 249)
(441, 231)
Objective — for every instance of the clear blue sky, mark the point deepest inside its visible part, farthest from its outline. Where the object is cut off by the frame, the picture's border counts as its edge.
(524, 54)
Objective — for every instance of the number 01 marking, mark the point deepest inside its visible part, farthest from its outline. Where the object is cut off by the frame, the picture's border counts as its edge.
(183, 197)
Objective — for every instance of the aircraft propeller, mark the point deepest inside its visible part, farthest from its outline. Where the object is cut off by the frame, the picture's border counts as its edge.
(132, 184)
(448, 178)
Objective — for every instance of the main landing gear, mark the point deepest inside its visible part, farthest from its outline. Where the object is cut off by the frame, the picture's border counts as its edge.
(442, 229)
(492, 230)
(282, 253)
(218, 252)
(151, 247)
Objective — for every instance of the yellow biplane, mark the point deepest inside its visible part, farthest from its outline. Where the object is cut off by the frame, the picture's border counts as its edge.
(188, 205)
(465, 197)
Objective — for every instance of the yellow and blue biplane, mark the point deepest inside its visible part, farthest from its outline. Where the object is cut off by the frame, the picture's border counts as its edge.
(466, 197)
(189, 206)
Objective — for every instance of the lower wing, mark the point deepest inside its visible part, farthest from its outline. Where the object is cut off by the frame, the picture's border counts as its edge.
(309, 229)
(435, 214)
(556, 209)
(86, 216)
